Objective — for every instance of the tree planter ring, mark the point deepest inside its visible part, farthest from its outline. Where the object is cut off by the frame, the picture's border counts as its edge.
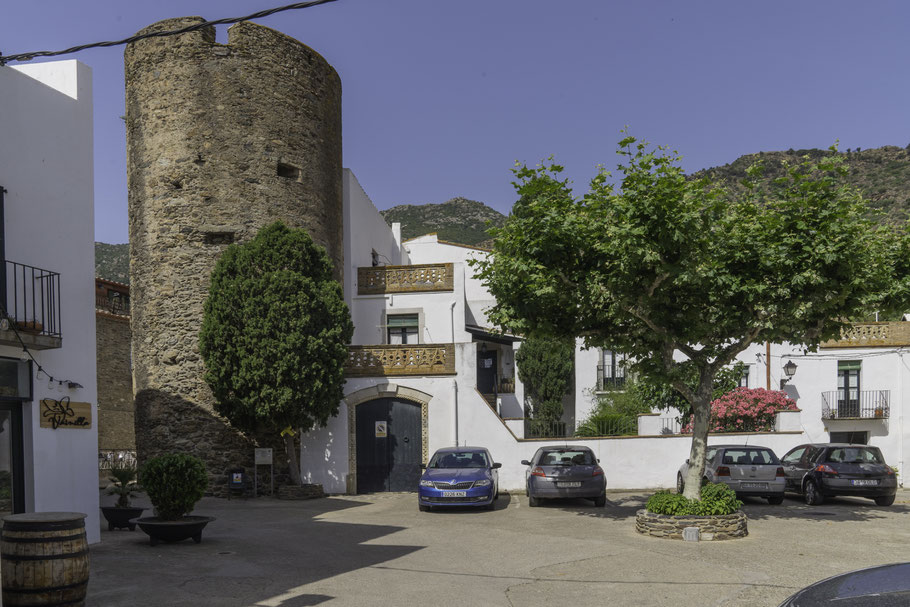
(173, 531)
(718, 527)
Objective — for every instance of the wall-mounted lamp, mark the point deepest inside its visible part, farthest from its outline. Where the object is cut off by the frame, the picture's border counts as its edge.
(789, 371)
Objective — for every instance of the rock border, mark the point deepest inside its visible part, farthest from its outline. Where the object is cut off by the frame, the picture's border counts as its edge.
(300, 492)
(720, 527)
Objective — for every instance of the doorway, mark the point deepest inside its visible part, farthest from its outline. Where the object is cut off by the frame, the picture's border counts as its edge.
(389, 445)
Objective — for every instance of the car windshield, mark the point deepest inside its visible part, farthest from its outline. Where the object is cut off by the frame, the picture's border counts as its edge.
(567, 457)
(459, 459)
(855, 455)
(750, 457)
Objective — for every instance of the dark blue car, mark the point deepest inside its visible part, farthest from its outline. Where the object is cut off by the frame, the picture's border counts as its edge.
(459, 476)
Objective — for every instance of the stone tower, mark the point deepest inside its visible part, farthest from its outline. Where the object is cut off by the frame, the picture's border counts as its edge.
(222, 139)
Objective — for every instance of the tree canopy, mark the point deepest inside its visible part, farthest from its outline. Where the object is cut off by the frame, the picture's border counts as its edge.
(545, 368)
(274, 334)
(681, 275)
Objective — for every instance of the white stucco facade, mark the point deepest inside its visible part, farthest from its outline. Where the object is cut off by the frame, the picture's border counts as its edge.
(46, 168)
(453, 409)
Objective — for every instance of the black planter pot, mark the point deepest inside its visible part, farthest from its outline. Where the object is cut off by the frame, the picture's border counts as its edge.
(120, 518)
(173, 531)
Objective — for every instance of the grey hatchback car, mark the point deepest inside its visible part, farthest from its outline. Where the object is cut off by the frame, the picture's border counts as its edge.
(567, 472)
(749, 470)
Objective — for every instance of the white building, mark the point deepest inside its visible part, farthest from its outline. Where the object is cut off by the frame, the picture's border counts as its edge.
(426, 371)
(48, 458)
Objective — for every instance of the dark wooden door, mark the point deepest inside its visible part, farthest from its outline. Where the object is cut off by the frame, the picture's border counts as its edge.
(389, 446)
(486, 371)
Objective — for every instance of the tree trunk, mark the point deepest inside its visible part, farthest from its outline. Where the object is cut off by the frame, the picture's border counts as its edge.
(701, 406)
(293, 464)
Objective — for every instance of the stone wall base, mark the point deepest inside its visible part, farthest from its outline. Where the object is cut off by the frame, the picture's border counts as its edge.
(301, 492)
(722, 527)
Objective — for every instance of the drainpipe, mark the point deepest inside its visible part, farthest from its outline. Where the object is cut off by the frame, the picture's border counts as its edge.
(455, 409)
(900, 419)
(452, 317)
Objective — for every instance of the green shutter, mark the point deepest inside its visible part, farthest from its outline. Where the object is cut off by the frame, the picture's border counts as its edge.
(402, 320)
(848, 365)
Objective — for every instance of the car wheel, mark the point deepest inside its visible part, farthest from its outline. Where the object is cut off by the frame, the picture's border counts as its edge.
(600, 501)
(884, 500)
(812, 495)
(423, 508)
(680, 485)
(533, 502)
(776, 500)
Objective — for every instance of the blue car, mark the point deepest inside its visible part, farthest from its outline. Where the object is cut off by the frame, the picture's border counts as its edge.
(459, 476)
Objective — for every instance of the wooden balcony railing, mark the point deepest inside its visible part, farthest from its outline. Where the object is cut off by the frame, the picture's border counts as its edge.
(405, 279)
(871, 334)
(407, 359)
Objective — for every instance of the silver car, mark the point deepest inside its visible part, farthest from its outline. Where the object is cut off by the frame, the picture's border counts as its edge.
(561, 471)
(748, 470)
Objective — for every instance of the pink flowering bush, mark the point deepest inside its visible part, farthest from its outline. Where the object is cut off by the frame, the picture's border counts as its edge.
(745, 410)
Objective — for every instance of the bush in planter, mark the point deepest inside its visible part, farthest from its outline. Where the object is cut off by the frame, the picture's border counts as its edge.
(123, 484)
(716, 499)
(174, 483)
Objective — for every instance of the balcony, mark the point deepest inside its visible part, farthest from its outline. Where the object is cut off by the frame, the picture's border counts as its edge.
(405, 279)
(615, 380)
(868, 404)
(872, 334)
(400, 360)
(32, 300)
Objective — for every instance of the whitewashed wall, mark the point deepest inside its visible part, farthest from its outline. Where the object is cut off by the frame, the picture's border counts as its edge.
(46, 165)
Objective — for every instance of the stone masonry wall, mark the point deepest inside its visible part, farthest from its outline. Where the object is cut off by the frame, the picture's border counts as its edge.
(115, 383)
(221, 141)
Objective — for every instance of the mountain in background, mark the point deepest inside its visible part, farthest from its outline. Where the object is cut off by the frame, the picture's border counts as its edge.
(112, 261)
(882, 174)
(457, 220)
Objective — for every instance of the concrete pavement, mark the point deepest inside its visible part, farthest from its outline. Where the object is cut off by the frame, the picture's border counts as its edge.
(379, 550)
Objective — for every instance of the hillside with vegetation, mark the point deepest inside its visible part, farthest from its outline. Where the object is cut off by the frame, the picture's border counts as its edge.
(112, 261)
(457, 220)
(882, 174)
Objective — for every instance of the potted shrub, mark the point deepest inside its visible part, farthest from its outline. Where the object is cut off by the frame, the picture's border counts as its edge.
(174, 483)
(124, 486)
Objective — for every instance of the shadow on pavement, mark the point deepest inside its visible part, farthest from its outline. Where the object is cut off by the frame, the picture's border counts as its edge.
(258, 552)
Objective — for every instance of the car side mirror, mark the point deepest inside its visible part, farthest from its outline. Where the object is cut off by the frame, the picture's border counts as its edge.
(598, 460)
(687, 461)
(496, 465)
(525, 462)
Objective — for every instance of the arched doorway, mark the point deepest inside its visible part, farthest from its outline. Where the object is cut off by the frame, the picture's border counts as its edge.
(389, 439)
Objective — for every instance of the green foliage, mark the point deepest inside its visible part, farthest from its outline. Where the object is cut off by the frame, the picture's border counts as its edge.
(600, 423)
(123, 483)
(545, 367)
(716, 499)
(275, 333)
(174, 483)
(616, 412)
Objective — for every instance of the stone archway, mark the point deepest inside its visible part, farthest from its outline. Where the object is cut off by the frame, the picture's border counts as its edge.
(383, 391)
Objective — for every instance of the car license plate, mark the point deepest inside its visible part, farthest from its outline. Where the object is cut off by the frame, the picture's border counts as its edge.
(865, 482)
(569, 484)
(454, 493)
(754, 485)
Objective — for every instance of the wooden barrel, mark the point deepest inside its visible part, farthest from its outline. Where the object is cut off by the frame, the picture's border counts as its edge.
(44, 559)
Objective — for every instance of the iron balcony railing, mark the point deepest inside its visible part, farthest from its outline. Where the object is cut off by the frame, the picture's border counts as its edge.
(856, 404)
(615, 380)
(31, 297)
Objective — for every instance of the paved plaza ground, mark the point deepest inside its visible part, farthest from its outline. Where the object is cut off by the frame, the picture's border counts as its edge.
(379, 550)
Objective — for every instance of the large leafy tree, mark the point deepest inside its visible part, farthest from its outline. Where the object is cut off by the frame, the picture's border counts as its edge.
(274, 336)
(683, 276)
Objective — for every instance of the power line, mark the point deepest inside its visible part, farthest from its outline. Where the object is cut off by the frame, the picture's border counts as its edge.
(4, 59)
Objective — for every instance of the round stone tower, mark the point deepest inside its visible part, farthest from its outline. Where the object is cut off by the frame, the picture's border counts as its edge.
(222, 139)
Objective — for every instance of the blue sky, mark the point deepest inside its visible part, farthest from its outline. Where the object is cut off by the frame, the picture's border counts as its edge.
(441, 98)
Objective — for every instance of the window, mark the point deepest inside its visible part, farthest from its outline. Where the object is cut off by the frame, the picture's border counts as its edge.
(289, 171)
(851, 437)
(611, 372)
(794, 456)
(744, 378)
(848, 388)
(402, 328)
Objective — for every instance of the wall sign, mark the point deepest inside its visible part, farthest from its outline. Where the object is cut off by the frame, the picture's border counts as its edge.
(382, 430)
(65, 414)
